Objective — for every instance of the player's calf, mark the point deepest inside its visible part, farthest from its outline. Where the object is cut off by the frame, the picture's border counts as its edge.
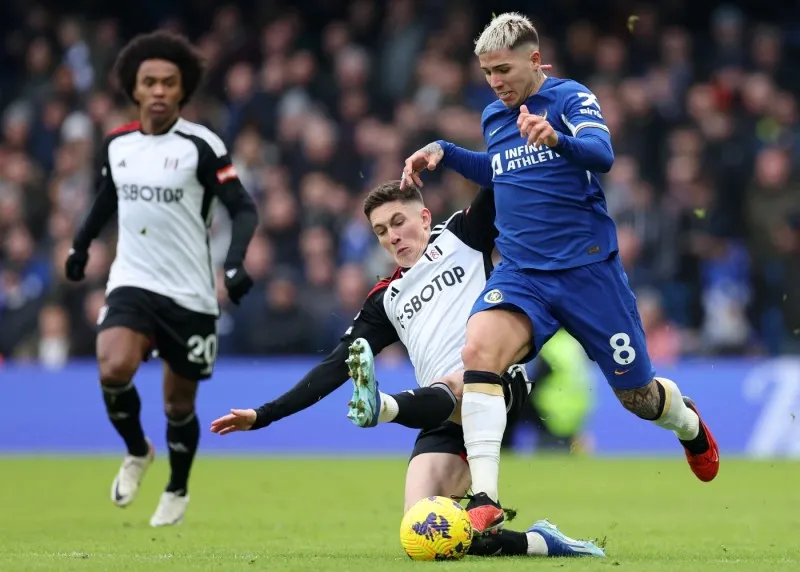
(483, 417)
(421, 408)
(661, 402)
(183, 429)
(496, 338)
(119, 353)
(183, 437)
(123, 407)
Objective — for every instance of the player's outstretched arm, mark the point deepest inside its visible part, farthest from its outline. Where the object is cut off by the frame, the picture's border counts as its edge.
(103, 208)
(472, 165)
(371, 323)
(319, 382)
(236, 420)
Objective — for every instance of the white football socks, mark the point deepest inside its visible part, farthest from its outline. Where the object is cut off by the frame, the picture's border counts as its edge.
(676, 416)
(389, 408)
(483, 418)
(536, 544)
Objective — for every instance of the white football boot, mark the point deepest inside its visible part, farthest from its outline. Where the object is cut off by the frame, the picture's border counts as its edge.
(170, 510)
(126, 483)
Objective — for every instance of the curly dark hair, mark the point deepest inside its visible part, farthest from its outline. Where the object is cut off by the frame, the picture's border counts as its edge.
(160, 45)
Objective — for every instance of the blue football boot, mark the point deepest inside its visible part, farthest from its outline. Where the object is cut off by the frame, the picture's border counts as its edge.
(365, 404)
(559, 544)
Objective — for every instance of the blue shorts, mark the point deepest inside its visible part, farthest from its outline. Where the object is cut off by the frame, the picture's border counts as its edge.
(594, 303)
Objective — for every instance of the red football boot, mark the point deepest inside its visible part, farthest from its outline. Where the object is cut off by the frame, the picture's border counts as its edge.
(485, 514)
(704, 465)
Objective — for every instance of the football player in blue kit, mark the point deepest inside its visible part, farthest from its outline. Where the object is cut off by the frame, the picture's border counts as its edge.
(546, 142)
(440, 270)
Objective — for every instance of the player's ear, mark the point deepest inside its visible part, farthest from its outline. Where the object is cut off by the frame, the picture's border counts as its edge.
(536, 59)
(426, 217)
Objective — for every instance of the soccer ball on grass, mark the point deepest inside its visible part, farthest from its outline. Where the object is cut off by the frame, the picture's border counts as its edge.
(436, 528)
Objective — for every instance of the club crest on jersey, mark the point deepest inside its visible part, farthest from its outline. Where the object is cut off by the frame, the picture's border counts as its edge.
(493, 297)
(227, 174)
(434, 253)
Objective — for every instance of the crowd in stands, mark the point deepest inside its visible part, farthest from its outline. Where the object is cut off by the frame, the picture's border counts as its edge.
(320, 101)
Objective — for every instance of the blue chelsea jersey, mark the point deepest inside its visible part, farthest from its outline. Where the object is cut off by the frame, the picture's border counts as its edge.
(551, 213)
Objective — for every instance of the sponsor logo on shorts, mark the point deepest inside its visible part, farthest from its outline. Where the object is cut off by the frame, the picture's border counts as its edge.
(493, 297)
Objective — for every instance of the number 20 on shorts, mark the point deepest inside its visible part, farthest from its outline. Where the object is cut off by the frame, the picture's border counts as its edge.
(203, 351)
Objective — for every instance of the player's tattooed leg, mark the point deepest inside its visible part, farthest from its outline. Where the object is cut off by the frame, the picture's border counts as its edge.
(646, 402)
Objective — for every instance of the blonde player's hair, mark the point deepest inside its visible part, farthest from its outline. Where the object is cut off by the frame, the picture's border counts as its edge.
(506, 32)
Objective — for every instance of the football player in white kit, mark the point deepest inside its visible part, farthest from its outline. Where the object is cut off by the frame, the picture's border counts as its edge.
(424, 305)
(161, 176)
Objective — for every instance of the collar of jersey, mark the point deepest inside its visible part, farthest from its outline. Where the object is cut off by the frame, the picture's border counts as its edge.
(171, 129)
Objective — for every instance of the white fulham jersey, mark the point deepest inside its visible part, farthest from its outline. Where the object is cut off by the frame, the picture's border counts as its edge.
(426, 307)
(165, 186)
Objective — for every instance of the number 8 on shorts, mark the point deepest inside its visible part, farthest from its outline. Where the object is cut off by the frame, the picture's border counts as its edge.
(624, 354)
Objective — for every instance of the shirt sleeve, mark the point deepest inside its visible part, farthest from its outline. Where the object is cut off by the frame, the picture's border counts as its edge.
(582, 111)
(589, 145)
(475, 166)
(216, 172)
(103, 208)
(475, 225)
(372, 324)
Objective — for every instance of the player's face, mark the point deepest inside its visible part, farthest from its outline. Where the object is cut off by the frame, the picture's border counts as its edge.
(511, 74)
(159, 91)
(403, 229)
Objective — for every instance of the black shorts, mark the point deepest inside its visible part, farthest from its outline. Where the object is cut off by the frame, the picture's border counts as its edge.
(185, 339)
(449, 437)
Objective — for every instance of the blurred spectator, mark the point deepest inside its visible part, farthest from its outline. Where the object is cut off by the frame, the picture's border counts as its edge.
(664, 341)
(322, 102)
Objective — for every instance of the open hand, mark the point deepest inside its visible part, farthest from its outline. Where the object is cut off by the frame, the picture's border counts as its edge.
(236, 420)
(426, 158)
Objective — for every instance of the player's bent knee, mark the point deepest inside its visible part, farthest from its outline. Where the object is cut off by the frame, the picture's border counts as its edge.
(477, 355)
(179, 409)
(495, 340)
(454, 382)
(119, 353)
(178, 415)
(117, 368)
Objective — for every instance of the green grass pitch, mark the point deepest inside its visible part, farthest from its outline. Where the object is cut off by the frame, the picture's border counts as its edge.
(337, 515)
